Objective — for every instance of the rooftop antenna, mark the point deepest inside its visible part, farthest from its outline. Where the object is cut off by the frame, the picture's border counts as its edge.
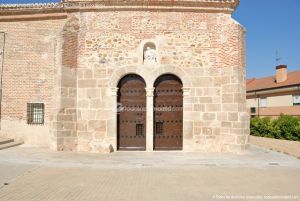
(277, 59)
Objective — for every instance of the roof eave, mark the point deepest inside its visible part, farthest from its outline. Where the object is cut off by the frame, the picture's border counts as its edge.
(273, 88)
(221, 6)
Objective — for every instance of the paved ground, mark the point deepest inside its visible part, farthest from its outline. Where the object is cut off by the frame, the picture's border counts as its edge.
(38, 174)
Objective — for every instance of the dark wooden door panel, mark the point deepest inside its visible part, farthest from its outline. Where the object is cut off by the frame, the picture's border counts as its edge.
(132, 114)
(168, 114)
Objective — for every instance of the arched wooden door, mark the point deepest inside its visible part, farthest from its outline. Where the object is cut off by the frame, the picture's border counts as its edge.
(131, 116)
(168, 114)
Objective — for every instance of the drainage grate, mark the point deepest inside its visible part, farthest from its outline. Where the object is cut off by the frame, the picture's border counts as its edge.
(210, 164)
(273, 163)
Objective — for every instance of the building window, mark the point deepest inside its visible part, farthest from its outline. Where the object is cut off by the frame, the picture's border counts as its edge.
(159, 128)
(296, 99)
(139, 129)
(263, 102)
(253, 110)
(35, 113)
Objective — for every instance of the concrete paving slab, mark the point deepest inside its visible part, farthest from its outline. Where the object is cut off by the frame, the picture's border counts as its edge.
(9, 172)
(255, 157)
(40, 174)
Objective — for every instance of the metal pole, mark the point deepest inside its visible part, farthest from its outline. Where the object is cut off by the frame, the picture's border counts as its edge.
(258, 100)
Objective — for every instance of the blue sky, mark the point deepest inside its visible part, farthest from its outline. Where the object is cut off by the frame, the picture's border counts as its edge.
(271, 25)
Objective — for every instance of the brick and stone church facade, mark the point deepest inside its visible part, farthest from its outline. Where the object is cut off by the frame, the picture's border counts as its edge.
(69, 69)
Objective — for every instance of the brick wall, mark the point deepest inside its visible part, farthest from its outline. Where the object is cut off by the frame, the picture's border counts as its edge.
(28, 76)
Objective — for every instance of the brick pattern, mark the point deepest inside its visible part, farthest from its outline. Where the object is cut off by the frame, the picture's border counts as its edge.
(28, 76)
(2, 45)
(31, 78)
(70, 43)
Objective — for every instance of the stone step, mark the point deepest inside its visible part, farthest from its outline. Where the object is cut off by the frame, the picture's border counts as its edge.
(5, 140)
(10, 144)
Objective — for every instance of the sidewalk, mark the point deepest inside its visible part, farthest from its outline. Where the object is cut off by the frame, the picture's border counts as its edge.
(142, 176)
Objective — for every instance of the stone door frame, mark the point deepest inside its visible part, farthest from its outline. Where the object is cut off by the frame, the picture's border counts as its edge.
(149, 75)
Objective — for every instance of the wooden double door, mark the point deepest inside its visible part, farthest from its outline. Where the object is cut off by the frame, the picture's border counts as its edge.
(167, 111)
(168, 114)
(131, 116)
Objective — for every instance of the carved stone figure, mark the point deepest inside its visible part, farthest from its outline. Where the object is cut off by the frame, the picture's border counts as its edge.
(149, 55)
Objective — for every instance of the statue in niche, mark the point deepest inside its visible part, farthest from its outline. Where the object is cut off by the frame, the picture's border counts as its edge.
(149, 55)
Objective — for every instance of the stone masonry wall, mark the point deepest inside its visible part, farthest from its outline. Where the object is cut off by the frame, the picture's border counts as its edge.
(205, 50)
(64, 122)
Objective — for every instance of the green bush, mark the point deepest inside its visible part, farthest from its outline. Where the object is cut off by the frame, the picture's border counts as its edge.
(285, 127)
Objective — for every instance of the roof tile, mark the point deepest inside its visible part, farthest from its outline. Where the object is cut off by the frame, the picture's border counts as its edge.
(293, 78)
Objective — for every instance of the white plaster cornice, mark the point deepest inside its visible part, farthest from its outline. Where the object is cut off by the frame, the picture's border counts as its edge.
(225, 6)
(34, 10)
(30, 7)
